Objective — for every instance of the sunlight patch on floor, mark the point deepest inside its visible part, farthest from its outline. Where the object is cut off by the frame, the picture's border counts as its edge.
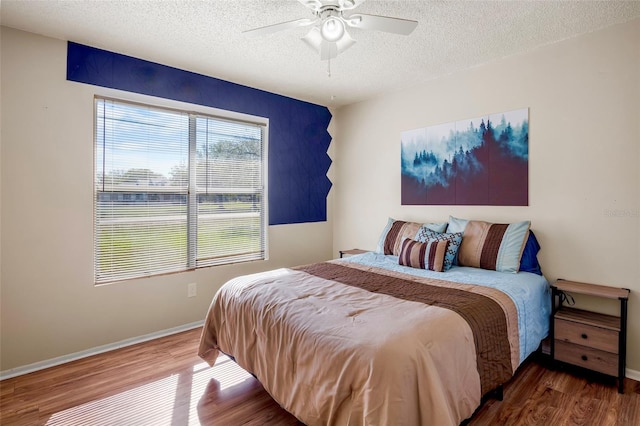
(168, 401)
(147, 404)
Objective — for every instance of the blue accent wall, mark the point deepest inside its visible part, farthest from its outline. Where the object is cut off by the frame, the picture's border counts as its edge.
(298, 137)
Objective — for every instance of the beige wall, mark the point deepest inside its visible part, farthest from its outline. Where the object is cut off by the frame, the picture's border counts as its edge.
(50, 307)
(584, 100)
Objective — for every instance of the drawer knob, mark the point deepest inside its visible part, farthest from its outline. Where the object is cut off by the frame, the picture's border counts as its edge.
(584, 357)
(584, 336)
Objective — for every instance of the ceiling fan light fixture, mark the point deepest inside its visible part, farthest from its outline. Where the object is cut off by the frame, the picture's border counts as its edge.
(326, 49)
(354, 20)
(332, 29)
(313, 39)
(345, 42)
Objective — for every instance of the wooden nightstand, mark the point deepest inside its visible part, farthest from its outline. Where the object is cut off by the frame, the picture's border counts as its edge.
(351, 252)
(588, 339)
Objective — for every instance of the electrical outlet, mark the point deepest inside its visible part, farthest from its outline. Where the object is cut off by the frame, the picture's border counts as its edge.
(192, 289)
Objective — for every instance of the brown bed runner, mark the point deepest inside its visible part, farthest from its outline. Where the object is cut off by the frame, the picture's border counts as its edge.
(484, 316)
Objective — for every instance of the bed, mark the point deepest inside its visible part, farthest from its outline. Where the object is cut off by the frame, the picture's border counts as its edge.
(370, 340)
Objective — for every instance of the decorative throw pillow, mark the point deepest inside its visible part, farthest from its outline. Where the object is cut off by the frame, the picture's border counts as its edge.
(398, 230)
(453, 239)
(493, 246)
(428, 255)
(529, 261)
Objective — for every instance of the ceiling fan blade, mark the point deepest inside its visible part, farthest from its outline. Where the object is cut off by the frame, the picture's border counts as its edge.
(279, 27)
(381, 23)
(314, 5)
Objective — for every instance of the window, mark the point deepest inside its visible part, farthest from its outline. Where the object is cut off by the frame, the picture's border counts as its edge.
(175, 190)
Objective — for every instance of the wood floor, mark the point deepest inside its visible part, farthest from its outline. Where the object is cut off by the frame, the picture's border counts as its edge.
(163, 382)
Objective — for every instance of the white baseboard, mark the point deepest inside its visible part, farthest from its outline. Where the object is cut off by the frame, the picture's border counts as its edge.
(632, 374)
(30, 368)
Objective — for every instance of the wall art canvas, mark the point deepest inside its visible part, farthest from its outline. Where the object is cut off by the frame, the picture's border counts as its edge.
(479, 161)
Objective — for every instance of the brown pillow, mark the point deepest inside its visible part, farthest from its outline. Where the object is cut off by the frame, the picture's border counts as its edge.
(428, 255)
(399, 231)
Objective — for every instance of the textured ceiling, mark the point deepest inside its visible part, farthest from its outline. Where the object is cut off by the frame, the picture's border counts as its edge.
(206, 37)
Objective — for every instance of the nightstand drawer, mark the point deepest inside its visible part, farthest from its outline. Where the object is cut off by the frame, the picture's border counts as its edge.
(586, 335)
(588, 339)
(593, 359)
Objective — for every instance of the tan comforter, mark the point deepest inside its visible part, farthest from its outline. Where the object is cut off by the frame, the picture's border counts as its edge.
(345, 344)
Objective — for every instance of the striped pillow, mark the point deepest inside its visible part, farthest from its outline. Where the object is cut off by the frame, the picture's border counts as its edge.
(454, 239)
(493, 246)
(429, 255)
(398, 230)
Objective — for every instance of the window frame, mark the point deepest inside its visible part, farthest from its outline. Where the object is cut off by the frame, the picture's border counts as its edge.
(193, 112)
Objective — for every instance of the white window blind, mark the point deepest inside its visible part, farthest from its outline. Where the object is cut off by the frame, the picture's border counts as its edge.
(229, 191)
(175, 190)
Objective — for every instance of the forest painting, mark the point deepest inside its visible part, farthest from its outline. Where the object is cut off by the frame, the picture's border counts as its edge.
(480, 161)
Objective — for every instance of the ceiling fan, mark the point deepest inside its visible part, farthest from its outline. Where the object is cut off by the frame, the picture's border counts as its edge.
(328, 35)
